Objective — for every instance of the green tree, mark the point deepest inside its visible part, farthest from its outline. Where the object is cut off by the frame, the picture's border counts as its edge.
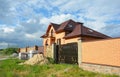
(9, 51)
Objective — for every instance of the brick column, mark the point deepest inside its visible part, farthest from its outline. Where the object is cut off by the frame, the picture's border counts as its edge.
(53, 54)
(19, 55)
(79, 51)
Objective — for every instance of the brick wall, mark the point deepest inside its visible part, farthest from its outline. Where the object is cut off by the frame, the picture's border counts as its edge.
(27, 49)
(100, 68)
(32, 48)
(106, 52)
(49, 51)
(22, 50)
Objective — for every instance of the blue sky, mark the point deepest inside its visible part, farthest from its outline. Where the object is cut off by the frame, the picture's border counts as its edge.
(22, 22)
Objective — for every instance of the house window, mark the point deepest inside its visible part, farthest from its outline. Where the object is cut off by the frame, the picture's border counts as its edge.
(59, 41)
(52, 32)
(70, 25)
(46, 42)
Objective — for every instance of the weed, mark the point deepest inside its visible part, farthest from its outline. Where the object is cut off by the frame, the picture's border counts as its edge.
(11, 68)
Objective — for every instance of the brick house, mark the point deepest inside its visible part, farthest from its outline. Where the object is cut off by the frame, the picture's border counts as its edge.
(68, 32)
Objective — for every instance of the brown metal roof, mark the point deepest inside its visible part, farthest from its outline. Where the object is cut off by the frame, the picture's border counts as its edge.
(43, 36)
(55, 26)
(81, 30)
(64, 26)
(76, 30)
(90, 32)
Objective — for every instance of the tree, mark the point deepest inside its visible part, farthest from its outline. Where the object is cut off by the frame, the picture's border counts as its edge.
(9, 51)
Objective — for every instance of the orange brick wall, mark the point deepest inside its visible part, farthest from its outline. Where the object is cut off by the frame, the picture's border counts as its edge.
(105, 52)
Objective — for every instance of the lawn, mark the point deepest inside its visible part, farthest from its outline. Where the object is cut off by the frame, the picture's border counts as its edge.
(11, 68)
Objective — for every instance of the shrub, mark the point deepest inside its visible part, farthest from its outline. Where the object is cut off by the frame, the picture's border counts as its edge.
(50, 60)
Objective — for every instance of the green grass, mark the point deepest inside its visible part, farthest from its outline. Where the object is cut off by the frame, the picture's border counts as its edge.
(11, 68)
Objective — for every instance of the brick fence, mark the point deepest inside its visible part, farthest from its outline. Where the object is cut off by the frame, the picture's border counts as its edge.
(101, 56)
(33, 48)
(28, 52)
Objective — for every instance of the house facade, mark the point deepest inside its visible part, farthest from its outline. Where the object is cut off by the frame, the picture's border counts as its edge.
(68, 32)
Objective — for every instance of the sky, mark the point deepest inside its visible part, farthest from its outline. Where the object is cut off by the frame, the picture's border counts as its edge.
(22, 22)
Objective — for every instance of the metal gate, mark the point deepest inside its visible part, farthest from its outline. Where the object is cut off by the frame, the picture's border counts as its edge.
(67, 53)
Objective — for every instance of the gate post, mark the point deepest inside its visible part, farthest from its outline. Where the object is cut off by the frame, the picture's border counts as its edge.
(20, 55)
(53, 54)
(79, 51)
(30, 54)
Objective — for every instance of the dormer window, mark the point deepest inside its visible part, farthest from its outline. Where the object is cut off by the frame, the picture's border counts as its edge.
(70, 25)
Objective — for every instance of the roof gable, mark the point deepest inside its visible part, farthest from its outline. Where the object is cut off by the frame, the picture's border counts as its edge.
(55, 26)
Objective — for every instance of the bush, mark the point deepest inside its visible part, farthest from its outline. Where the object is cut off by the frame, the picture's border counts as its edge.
(9, 51)
(50, 60)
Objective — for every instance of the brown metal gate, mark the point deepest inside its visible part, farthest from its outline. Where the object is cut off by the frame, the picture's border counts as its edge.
(67, 53)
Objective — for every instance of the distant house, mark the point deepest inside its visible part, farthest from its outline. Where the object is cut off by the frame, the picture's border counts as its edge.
(68, 32)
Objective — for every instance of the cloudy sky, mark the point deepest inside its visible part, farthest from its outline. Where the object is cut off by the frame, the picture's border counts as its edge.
(22, 22)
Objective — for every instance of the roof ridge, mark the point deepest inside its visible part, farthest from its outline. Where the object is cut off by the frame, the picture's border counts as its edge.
(53, 23)
(63, 25)
(67, 21)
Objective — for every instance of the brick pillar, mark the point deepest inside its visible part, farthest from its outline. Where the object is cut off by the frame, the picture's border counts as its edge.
(18, 50)
(30, 54)
(36, 47)
(19, 55)
(79, 51)
(53, 51)
(26, 49)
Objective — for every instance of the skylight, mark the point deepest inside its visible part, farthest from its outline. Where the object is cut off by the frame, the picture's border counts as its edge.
(90, 30)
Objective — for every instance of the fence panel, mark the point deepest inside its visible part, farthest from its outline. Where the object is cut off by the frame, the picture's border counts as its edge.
(68, 53)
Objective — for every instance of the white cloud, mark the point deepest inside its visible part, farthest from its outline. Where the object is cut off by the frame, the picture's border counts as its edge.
(31, 36)
(27, 20)
(57, 19)
(31, 21)
(100, 11)
(8, 30)
(5, 29)
(5, 45)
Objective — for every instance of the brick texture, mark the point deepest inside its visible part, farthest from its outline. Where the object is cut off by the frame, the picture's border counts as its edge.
(100, 68)
(106, 52)
(49, 51)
